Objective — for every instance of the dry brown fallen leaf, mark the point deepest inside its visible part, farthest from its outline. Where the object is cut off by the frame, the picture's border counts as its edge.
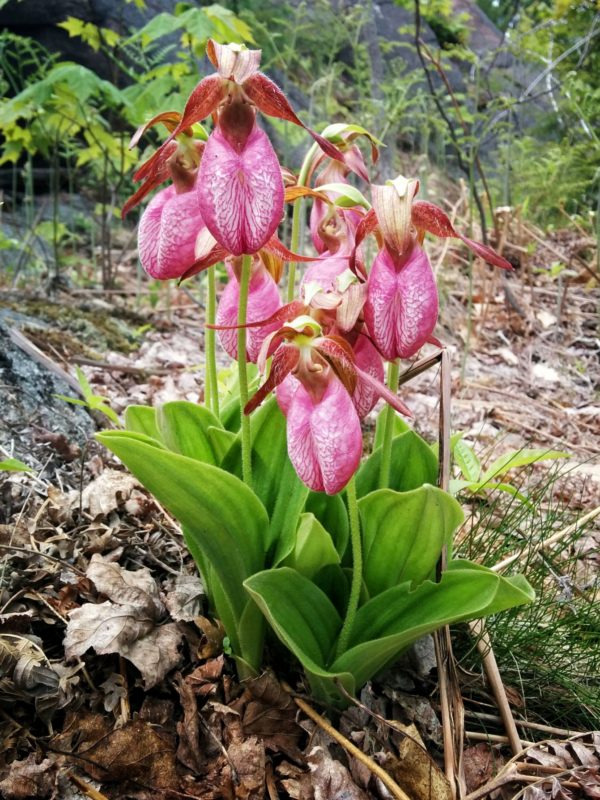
(266, 710)
(480, 762)
(128, 623)
(27, 780)
(186, 599)
(104, 494)
(138, 752)
(330, 779)
(414, 770)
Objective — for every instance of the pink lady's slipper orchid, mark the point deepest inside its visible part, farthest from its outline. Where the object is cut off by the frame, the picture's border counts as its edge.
(240, 186)
(167, 233)
(263, 301)
(401, 308)
(316, 377)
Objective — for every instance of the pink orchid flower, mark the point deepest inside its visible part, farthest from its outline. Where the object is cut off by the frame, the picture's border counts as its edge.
(263, 301)
(324, 437)
(167, 233)
(240, 185)
(316, 377)
(401, 308)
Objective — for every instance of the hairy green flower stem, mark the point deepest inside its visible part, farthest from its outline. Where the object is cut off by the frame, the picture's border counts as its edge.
(357, 568)
(388, 431)
(242, 369)
(296, 219)
(211, 391)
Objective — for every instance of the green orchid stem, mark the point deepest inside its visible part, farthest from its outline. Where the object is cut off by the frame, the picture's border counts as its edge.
(357, 568)
(243, 371)
(296, 220)
(388, 431)
(211, 393)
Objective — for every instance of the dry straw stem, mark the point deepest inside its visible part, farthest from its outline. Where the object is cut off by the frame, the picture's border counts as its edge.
(484, 646)
(556, 537)
(451, 703)
(351, 748)
(515, 771)
(86, 788)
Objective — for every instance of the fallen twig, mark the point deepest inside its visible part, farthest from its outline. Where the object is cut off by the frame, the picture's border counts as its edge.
(351, 748)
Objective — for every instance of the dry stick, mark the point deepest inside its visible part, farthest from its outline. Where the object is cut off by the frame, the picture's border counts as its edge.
(450, 697)
(127, 368)
(484, 646)
(85, 787)
(351, 748)
(535, 726)
(556, 537)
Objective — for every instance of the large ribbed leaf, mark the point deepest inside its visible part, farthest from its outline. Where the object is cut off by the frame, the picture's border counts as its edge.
(403, 534)
(314, 548)
(274, 478)
(222, 518)
(412, 465)
(184, 429)
(396, 618)
(142, 419)
(305, 620)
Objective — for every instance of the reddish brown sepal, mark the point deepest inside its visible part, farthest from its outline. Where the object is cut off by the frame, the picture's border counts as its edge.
(158, 173)
(284, 314)
(338, 354)
(218, 253)
(284, 361)
(428, 217)
(269, 98)
(279, 249)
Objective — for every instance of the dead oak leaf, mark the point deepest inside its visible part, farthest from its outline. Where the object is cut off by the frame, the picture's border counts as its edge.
(330, 779)
(27, 780)
(104, 494)
(123, 586)
(127, 623)
(138, 751)
(124, 629)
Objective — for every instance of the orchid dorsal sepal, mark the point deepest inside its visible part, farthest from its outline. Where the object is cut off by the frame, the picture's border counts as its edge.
(430, 218)
(170, 119)
(347, 196)
(234, 61)
(305, 326)
(393, 205)
(341, 132)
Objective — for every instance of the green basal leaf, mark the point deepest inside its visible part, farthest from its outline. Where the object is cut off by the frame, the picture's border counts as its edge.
(230, 414)
(183, 428)
(395, 619)
(404, 533)
(512, 591)
(274, 479)
(314, 548)
(412, 465)
(400, 426)
(335, 582)
(331, 512)
(221, 440)
(14, 465)
(142, 419)
(305, 620)
(223, 519)
(467, 461)
(519, 458)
